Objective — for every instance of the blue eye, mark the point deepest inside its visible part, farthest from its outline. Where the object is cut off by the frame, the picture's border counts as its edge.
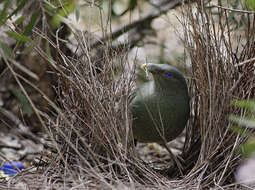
(169, 75)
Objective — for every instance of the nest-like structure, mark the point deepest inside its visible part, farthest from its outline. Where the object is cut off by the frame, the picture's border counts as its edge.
(220, 75)
(93, 136)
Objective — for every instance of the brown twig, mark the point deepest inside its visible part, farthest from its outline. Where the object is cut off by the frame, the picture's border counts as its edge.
(142, 24)
(245, 62)
(22, 129)
(234, 10)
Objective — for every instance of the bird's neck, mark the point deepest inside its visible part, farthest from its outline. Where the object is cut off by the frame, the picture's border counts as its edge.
(170, 87)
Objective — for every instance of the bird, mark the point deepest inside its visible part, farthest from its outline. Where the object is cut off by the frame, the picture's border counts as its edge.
(160, 108)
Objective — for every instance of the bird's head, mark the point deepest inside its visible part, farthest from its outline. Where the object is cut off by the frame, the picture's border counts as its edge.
(163, 71)
(165, 75)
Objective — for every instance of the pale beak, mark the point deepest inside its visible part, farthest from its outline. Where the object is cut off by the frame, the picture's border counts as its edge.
(145, 68)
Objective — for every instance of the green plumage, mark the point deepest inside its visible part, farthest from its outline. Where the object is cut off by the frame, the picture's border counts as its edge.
(160, 108)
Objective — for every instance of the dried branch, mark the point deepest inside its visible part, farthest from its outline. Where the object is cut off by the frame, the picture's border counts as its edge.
(140, 26)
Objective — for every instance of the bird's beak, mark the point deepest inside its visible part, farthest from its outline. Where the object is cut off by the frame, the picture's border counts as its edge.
(145, 68)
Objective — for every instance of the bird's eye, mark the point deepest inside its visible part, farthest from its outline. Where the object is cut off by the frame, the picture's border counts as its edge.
(169, 75)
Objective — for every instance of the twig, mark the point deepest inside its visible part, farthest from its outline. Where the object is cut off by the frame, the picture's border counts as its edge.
(10, 147)
(174, 158)
(22, 129)
(162, 8)
(234, 10)
(244, 62)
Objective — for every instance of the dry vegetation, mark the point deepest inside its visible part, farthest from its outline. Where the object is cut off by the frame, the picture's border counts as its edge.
(219, 75)
(91, 139)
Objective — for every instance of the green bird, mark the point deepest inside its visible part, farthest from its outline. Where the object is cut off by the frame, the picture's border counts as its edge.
(160, 108)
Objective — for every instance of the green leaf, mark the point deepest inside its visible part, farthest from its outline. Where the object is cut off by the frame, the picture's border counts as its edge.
(248, 148)
(6, 49)
(23, 101)
(18, 37)
(31, 24)
(20, 20)
(250, 4)
(49, 57)
(3, 12)
(241, 131)
(132, 4)
(243, 121)
(20, 6)
(62, 13)
(77, 12)
(248, 104)
(31, 45)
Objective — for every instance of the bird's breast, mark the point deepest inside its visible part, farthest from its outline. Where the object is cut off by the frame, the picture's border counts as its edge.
(158, 114)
